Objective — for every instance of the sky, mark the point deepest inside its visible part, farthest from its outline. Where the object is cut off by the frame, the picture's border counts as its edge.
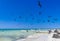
(24, 14)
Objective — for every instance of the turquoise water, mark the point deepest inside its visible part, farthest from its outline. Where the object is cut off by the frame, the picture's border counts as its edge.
(15, 34)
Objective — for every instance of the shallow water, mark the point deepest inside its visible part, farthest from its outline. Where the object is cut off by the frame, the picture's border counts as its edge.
(14, 34)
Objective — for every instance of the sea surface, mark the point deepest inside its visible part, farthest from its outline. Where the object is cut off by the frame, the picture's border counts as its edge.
(13, 35)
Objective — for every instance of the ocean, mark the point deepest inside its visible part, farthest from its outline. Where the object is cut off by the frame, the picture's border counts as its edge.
(14, 34)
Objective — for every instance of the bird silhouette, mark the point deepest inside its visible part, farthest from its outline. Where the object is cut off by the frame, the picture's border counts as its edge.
(48, 20)
(39, 4)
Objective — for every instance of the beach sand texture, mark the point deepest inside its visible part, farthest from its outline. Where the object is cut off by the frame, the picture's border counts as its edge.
(36, 37)
(40, 37)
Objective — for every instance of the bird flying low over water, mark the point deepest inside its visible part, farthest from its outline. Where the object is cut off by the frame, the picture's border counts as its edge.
(39, 4)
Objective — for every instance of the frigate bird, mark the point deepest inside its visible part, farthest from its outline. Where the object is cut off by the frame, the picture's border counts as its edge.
(48, 20)
(39, 4)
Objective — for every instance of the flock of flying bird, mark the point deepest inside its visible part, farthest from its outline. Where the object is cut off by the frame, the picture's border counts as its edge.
(40, 13)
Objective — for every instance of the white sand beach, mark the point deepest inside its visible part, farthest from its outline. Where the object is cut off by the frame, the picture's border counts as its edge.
(40, 37)
(36, 37)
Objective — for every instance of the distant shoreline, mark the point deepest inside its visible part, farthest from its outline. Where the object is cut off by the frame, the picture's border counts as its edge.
(32, 29)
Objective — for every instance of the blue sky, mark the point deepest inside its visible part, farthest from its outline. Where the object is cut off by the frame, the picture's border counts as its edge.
(10, 10)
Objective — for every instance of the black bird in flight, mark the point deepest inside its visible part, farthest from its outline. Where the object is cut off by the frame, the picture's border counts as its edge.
(48, 20)
(39, 4)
